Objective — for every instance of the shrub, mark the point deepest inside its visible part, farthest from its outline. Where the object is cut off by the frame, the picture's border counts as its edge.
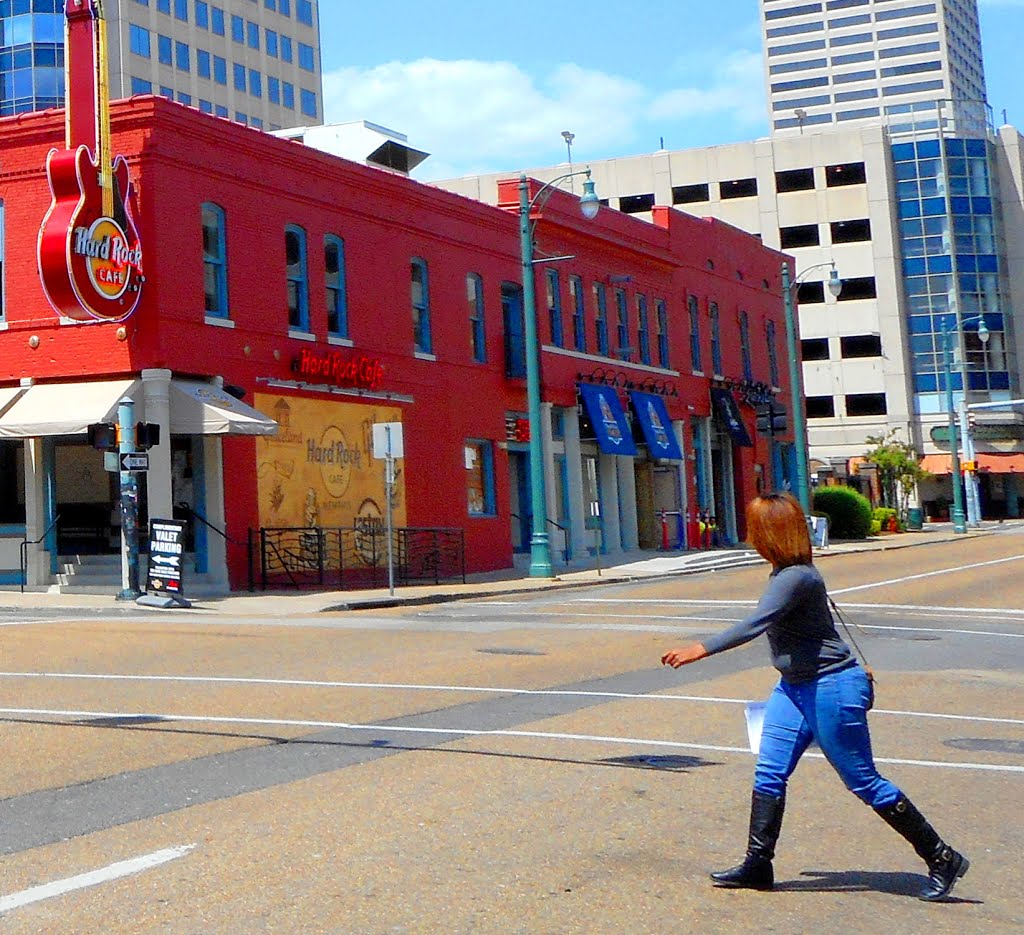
(884, 514)
(849, 513)
(876, 527)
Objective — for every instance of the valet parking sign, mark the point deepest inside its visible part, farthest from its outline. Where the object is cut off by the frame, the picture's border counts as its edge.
(166, 545)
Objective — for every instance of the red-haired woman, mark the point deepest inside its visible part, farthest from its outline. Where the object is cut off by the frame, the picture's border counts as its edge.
(823, 695)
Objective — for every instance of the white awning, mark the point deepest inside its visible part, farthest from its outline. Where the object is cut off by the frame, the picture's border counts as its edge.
(204, 409)
(8, 396)
(64, 408)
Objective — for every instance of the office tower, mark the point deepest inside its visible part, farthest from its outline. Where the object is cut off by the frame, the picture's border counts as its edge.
(254, 61)
(895, 62)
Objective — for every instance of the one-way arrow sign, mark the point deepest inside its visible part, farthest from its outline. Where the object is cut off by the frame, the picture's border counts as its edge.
(135, 461)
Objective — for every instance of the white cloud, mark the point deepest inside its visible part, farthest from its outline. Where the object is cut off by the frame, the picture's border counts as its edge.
(477, 116)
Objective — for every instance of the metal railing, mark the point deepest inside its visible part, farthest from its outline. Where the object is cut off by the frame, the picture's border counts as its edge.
(246, 544)
(567, 549)
(354, 557)
(23, 550)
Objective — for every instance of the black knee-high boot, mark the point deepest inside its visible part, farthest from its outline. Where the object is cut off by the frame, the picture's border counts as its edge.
(755, 873)
(945, 866)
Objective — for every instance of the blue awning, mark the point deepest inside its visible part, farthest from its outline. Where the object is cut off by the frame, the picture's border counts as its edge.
(729, 413)
(656, 425)
(610, 426)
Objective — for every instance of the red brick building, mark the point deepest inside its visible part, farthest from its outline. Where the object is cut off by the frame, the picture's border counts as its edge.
(337, 296)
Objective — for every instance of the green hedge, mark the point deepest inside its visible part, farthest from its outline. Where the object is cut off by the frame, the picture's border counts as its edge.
(883, 514)
(849, 513)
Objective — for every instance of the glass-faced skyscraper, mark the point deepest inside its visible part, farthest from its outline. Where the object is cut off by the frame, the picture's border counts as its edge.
(254, 61)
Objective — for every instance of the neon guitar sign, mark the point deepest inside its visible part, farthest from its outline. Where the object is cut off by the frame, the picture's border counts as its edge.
(90, 259)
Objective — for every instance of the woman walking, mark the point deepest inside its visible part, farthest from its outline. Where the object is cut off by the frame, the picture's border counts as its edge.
(823, 694)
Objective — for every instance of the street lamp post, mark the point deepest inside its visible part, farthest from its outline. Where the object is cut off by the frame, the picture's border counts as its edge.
(835, 286)
(540, 552)
(959, 522)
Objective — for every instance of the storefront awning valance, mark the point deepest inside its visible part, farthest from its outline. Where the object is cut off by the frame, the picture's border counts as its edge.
(205, 409)
(656, 425)
(1009, 462)
(65, 408)
(729, 414)
(610, 426)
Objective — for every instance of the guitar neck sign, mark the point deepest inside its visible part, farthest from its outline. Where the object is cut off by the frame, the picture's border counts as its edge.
(90, 258)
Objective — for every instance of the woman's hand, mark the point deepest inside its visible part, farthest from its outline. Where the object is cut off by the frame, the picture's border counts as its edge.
(684, 655)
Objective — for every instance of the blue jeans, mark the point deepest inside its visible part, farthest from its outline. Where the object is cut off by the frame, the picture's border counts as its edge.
(832, 710)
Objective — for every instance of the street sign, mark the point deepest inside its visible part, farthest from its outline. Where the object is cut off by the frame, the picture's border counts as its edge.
(134, 461)
(166, 547)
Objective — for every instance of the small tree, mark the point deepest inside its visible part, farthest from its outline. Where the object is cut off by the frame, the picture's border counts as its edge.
(899, 469)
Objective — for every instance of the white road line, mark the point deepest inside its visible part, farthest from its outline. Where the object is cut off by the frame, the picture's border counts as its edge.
(692, 602)
(123, 868)
(929, 574)
(473, 689)
(469, 732)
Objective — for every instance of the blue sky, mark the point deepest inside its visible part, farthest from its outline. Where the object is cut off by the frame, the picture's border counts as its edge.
(490, 87)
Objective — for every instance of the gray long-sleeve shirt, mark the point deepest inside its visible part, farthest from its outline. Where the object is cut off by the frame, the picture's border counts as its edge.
(794, 613)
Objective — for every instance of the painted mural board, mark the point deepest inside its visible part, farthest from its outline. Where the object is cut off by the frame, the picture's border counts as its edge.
(319, 469)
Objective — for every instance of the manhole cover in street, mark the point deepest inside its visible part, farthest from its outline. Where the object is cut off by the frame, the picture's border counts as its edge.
(986, 745)
(127, 720)
(670, 762)
(511, 651)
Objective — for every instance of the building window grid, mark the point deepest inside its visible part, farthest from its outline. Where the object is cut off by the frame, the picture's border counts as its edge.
(554, 299)
(215, 260)
(335, 286)
(624, 351)
(297, 278)
(661, 323)
(479, 463)
(773, 352)
(477, 324)
(748, 367)
(420, 293)
(716, 340)
(579, 320)
(601, 318)
(695, 354)
(643, 330)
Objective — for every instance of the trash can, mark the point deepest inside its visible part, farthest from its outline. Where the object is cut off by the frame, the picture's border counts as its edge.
(915, 518)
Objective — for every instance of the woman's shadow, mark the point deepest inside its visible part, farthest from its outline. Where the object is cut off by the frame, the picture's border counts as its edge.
(841, 881)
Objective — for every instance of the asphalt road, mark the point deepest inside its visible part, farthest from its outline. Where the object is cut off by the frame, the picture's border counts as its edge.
(521, 765)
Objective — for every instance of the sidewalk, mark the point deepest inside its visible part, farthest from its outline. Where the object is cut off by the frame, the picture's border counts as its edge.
(626, 567)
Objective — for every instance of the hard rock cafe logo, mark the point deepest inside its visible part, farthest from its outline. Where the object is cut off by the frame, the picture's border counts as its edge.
(109, 260)
(611, 424)
(654, 420)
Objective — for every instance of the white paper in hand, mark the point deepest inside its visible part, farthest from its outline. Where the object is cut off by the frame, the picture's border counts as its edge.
(754, 712)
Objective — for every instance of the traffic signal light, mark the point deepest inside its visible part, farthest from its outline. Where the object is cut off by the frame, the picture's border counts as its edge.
(103, 436)
(147, 435)
(771, 419)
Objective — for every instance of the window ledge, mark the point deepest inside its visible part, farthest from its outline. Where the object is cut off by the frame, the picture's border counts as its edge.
(4, 325)
(338, 341)
(301, 335)
(421, 355)
(219, 322)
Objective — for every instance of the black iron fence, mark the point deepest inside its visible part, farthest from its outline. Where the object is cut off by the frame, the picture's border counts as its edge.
(354, 557)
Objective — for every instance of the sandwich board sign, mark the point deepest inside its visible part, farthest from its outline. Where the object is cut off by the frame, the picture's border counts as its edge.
(166, 551)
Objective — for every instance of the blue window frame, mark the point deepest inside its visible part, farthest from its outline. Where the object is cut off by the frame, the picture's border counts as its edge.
(643, 329)
(601, 318)
(304, 12)
(202, 16)
(286, 49)
(238, 70)
(334, 283)
(308, 99)
(420, 293)
(220, 70)
(622, 325)
(477, 323)
(217, 21)
(237, 28)
(270, 5)
(164, 50)
(185, 98)
(141, 86)
(203, 63)
(255, 83)
(297, 278)
(579, 315)
(138, 41)
(661, 323)
(307, 57)
(253, 31)
(284, 7)
(206, 106)
(748, 366)
(553, 287)
(220, 110)
(164, 6)
(288, 95)
(270, 42)
(215, 264)
(273, 89)
(773, 353)
(181, 10)
(514, 324)
(695, 356)
(716, 340)
(182, 57)
(479, 458)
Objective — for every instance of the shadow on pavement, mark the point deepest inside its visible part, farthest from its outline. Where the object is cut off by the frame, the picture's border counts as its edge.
(843, 881)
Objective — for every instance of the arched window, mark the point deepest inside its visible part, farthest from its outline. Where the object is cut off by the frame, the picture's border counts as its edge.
(298, 281)
(334, 284)
(420, 286)
(215, 263)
